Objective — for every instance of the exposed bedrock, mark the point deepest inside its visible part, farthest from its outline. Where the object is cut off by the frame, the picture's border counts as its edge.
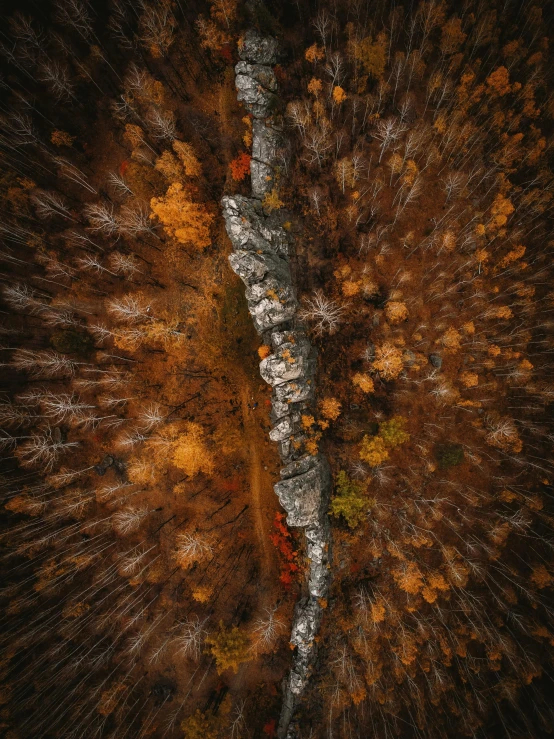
(261, 258)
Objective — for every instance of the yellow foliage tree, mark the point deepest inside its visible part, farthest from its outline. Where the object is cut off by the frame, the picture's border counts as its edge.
(388, 361)
(364, 382)
(272, 201)
(339, 95)
(314, 54)
(184, 220)
(330, 408)
(188, 158)
(190, 452)
(373, 451)
(396, 311)
(372, 55)
(314, 86)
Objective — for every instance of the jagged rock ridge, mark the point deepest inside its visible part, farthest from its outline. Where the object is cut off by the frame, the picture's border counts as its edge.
(261, 258)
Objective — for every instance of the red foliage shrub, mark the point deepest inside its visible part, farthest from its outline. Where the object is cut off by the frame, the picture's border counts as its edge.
(281, 540)
(240, 166)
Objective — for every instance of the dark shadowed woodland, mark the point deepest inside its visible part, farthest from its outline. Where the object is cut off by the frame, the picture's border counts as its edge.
(151, 577)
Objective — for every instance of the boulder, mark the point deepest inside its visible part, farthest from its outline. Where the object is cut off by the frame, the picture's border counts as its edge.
(271, 311)
(256, 86)
(318, 538)
(266, 142)
(262, 178)
(258, 49)
(249, 229)
(297, 391)
(282, 430)
(290, 362)
(300, 466)
(307, 617)
(279, 409)
(252, 267)
(303, 496)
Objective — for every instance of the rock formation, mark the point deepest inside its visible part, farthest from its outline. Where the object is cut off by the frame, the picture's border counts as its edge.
(261, 258)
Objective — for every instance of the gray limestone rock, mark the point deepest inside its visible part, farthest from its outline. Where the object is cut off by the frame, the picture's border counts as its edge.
(290, 362)
(256, 86)
(270, 311)
(270, 286)
(248, 228)
(296, 391)
(302, 496)
(282, 430)
(258, 49)
(317, 538)
(252, 267)
(266, 142)
(263, 75)
(262, 178)
(261, 259)
(307, 618)
(300, 466)
(436, 360)
(279, 409)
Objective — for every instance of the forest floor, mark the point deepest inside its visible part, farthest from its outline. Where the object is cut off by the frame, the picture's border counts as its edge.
(260, 491)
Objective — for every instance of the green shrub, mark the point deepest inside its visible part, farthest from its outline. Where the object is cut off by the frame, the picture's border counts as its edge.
(449, 455)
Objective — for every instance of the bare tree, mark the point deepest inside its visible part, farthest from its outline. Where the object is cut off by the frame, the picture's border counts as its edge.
(157, 27)
(45, 363)
(56, 76)
(49, 204)
(131, 563)
(75, 14)
(123, 264)
(317, 143)
(387, 131)
(64, 407)
(14, 416)
(135, 220)
(101, 218)
(71, 172)
(129, 519)
(92, 263)
(453, 184)
(19, 129)
(299, 114)
(238, 721)
(325, 314)
(22, 297)
(267, 629)
(118, 25)
(315, 197)
(322, 25)
(129, 309)
(150, 416)
(162, 124)
(193, 548)
(335, 70)
(118, 185)
(191, 636)
(44, 449)
(54, 268)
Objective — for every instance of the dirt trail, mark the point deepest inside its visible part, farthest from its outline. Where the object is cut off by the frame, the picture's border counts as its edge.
(259, 482)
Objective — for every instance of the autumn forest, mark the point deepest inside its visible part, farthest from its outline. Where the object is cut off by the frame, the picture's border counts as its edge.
(276, 328)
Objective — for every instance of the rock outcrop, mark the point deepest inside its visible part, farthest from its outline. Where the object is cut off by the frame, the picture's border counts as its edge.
(261, 254)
